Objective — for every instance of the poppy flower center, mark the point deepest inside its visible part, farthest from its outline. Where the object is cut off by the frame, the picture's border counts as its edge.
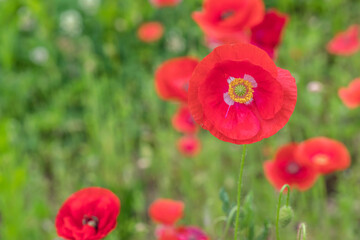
(321, 159)
(91, 221)
(240, 90)
(227, 14)
(292, 168)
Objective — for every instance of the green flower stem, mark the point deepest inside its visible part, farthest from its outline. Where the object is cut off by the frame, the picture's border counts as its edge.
(239, 194)
(279, 206)
(301, 232)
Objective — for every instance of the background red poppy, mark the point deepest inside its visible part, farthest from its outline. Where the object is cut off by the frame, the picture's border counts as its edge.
(89, 214)
(150, 32)
(286, 169)
(350, 96)
(166, 211)
(345, 43)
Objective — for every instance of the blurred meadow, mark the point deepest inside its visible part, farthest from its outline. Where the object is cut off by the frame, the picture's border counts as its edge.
(78, 108)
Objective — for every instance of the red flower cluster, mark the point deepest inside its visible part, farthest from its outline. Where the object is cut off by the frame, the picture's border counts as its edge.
(345, 43)
(166, 213)
(89, 214)
(172, 83)
(233, 21)
(351, 95)
(150, 32)
(300, 164)
(239, 95)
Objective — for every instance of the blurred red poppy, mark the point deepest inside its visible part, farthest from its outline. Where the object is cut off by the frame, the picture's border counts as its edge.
(229, 21)
(268, 34)
(350, 96)
(325, 155)
(183, 122)
(286, 169)
(345, 43)
(239, 95)
(180, 233)
(166, 232)
(172, 78)
(150, 32)
(88, 214)
(166, 211)
(189, 146)
(165, 3)
(190, 233)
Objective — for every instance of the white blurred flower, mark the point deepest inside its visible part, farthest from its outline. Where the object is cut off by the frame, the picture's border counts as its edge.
(143, 163)
(90, 6)
(71, 22)
(315, 86)
(39, 55)
(26, 20)
(175, 42)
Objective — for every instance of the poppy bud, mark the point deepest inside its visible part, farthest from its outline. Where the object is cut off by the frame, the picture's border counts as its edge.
(286, 215)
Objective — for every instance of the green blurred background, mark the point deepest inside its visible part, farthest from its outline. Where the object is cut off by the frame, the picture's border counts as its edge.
(78, 108)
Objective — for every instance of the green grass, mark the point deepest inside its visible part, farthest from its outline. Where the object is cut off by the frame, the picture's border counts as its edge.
(90, 113)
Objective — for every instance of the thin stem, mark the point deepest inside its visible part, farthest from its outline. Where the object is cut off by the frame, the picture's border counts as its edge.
(301, 232)
(228, 221)
(279, 206)
(237, 221)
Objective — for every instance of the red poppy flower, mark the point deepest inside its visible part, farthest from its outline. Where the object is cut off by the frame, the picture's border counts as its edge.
(166, 211)
(267, 35)
(183, 122)
(325, 155)
(286, 169)
(180, 233)
(351, 95)
(172, 78)
(150, 32)
(88, 214)
(239, 95)
(229, 21)
(345, 43)
(191, 233)
(166, 232)
(165, 3)
(189, 146)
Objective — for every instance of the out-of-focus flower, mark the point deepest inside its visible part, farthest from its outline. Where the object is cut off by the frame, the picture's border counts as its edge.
(166, 211)
(286, 169)
(325, 155)
(239, 95)
(175, 42)
(345, 43)
(189, 146)
(39, 55)
(190, 233)
(172, 78)
(90, 6)
(350, 96)
(315, 86)
(164, 3)
(26, 19)
(183, 122)
(229, 21)
(89, 214)
(268, 34)
(150, 32)
(71, 22)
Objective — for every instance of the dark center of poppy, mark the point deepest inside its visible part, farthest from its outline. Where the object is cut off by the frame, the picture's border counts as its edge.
(227, 14)
(92, 221)
(292, 168)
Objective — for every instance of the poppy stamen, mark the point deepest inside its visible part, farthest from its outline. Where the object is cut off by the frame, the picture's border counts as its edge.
(241, 90)
(227, 14)
(292, 168)
(91, 221)
(321, 159)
